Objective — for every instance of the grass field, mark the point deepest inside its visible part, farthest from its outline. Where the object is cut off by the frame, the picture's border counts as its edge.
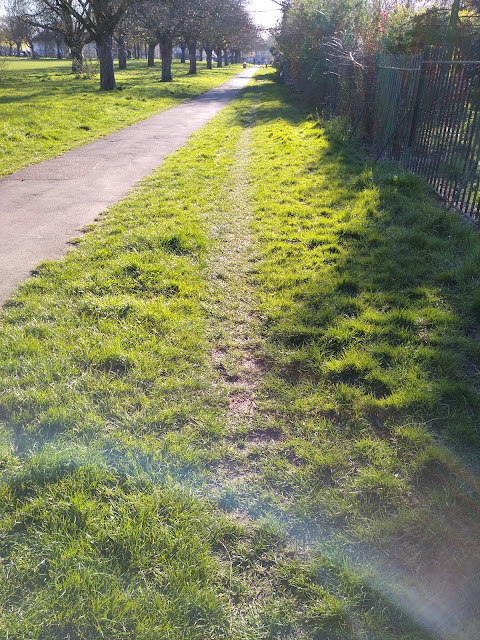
(46, 110)
(246, 405)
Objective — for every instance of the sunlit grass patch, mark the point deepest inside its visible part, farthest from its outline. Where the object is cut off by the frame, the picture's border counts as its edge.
(114, 565)
(371, 278)
(367, 299)
(113, 341)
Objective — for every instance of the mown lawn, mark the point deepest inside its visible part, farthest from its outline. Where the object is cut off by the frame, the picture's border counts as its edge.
(246, 405)
(47, 110)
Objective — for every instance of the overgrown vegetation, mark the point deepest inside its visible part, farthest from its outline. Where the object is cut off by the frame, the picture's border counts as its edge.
(226, 413)
(47, 111)
(315, 32)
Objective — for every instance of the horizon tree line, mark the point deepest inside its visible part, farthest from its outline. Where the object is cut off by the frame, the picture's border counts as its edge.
(224, 28)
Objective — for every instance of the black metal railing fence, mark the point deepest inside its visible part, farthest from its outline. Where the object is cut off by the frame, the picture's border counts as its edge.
(422, 111)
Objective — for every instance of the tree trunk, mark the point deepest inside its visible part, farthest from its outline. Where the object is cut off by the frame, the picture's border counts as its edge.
(209, 53)
(166, 46)
(200, 52)
(151, 54)
(105, 55)
(226, 57)
(219, 57)
(454, 21)
(192, 52)
(77, 58)
(59, 52)
(122, 52)
(183, 47)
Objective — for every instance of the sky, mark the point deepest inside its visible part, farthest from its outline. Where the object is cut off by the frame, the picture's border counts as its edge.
(264, 12)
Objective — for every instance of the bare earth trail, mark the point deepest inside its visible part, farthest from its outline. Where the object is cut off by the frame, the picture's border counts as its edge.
(46, 204)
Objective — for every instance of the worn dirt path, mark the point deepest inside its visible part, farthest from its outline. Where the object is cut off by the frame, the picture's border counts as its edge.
(46, 204)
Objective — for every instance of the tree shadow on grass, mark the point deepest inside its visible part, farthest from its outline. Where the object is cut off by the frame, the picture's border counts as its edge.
(389, 298)
(21, 99)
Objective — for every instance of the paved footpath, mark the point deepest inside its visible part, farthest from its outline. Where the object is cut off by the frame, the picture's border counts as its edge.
(46, 204)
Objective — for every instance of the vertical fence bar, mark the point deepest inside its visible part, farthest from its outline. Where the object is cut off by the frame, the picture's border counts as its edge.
(416, 112)
(431, 116)
(424, 121)
(472, 125)
(412, 80)
(458, 107)
(447, 81)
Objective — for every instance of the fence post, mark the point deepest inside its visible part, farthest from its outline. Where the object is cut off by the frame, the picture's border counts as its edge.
(369, 96)
(416, 108)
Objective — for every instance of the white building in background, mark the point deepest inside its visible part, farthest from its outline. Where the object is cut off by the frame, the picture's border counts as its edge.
(260, 56)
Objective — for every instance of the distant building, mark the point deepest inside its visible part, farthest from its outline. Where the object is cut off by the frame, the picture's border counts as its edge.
(260, 56)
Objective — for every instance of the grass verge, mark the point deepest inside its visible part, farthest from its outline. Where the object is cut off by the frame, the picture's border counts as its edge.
(244, 406)
(46, 110)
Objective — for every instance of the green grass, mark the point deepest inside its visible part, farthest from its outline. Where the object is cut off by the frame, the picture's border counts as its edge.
(246, 405)
(46, 110)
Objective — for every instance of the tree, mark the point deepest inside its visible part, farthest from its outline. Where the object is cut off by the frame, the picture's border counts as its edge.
(229, 27)
(98, 19)
(454, 20)
(17, 30)
(196, 15)
(183, 48)
(162, 21)
(6, 34)
(410, 29)
(121, 48)
(53, 16)
(241, 32)
(127, 32)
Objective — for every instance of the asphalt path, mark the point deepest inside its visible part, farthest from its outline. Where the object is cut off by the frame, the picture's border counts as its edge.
(46, 204)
